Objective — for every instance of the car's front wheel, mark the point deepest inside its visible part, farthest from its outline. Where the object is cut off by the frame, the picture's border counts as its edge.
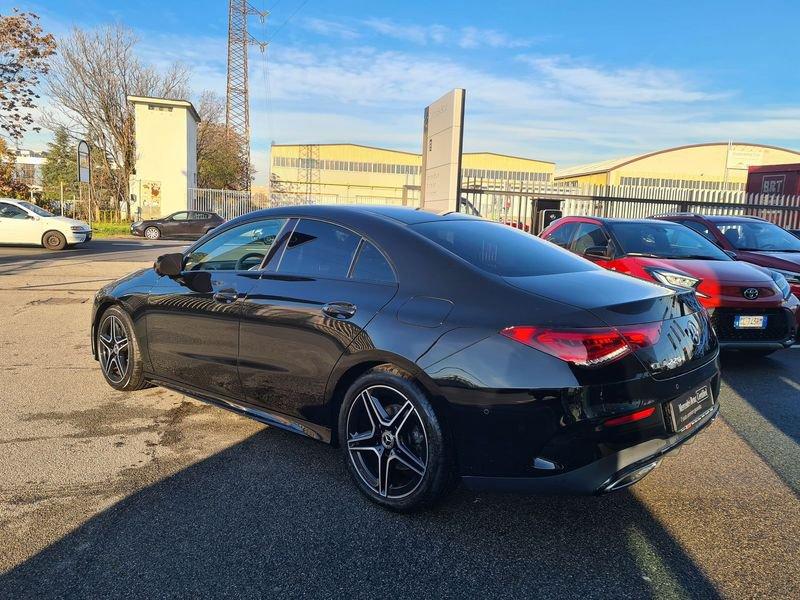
(118, 351)
(394, 443)
(54, 240)
(152, 233)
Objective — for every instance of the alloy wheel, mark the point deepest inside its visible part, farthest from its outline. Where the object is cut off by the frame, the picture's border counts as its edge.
(151, 233)
(386, 441)
(113, 348)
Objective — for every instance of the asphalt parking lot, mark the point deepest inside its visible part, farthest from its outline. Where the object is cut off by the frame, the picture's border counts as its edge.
(152, 494)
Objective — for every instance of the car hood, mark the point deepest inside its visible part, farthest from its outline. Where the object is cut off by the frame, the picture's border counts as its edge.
(789, 261)
(69, 222)
(721, 271)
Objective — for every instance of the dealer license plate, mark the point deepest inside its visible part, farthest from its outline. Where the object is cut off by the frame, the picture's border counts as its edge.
(750, 322)
(691, 408)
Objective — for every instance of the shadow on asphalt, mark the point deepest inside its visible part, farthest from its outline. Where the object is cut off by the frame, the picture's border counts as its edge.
(14, 260)
(277, 516)
(767, 390)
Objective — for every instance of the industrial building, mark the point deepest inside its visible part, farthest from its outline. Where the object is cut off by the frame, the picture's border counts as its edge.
(714, 166)
(351, 173)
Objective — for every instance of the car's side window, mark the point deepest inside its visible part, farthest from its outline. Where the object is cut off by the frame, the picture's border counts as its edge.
(242, 248)
(181, 216)
(699, 228)
(562, 235)
(319, 249)
(9, 211)
(371, 265)
(589, 235)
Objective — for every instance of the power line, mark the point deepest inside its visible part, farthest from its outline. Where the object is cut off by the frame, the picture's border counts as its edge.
(291, 16)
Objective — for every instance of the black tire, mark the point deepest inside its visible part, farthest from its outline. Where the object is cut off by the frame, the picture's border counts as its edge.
(406, 489)
(129, 372)
(54, 240)
(152, 233)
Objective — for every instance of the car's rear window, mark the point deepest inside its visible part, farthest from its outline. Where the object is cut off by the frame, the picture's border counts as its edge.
(501, 249)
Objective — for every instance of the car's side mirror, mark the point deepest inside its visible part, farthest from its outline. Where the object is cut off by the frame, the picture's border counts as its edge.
(595, 252)
(169, 265)
(31, 218)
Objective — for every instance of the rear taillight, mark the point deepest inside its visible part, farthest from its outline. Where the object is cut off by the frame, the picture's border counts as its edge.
(589, 347)
(631, 418)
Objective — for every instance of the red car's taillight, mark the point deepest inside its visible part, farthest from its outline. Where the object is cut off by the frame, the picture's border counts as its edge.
(586, 347)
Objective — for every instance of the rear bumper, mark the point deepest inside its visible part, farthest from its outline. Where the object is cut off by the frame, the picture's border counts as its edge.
(612, 472)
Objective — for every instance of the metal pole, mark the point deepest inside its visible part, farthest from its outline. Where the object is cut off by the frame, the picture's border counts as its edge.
(61, 184)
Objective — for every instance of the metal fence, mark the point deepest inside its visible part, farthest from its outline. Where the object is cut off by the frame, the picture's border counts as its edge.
(521, 204)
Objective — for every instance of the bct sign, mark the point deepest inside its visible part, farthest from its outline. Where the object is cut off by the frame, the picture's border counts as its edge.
(442, 144)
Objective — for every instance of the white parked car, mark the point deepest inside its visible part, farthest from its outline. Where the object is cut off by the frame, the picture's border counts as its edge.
(24, 223)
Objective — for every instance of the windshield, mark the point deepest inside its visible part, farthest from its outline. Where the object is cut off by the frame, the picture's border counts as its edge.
(37, 210)
(501, 249)
(758, 235)
(664, 240)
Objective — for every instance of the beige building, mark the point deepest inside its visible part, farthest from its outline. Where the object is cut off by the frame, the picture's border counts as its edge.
(166, 155)
(350, 173)
(714, 166)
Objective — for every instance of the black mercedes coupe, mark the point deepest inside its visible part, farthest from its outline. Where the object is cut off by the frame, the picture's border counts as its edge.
(430, 348)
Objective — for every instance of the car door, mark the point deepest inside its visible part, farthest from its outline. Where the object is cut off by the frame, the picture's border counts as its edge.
(196, 224)
(299, 318)
(175, 225)
(193, 320)
(18, 226)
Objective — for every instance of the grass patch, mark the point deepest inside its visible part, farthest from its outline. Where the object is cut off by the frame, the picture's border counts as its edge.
(104, 230)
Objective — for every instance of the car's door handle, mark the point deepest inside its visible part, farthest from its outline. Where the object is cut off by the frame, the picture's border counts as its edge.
(339, 310)
(226, 296)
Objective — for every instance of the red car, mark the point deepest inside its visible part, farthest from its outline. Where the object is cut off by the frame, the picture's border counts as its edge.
(752, 308)
(749, 239)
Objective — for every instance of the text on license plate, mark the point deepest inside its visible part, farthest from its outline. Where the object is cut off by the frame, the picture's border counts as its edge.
(750, 321)
(691, 408)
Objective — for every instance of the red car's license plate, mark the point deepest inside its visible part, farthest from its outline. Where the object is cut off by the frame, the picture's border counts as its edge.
(691, 408)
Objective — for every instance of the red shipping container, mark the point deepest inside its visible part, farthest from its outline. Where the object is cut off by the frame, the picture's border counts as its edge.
(774, 179)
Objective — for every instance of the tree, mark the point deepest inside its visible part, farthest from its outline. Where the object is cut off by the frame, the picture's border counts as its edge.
(220, 164)
(61, 166)
(24, 54)
(91, 79)
(10, 184)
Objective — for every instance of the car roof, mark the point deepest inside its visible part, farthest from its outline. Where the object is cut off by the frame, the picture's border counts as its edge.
(611, 220)
(406, 216)
(735, 219)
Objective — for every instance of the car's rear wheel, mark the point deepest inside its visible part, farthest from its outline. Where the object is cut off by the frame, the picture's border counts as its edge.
(118, 351)
(152, 233)
(394, 443)
(54, 240)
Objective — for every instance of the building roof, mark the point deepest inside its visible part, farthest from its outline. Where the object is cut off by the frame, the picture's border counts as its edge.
(609, 165)
(412, 153)
(166, 102)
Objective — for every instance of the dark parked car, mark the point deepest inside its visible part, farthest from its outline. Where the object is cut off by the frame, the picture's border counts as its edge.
(752, 308)
(185, 224)
(428, 347)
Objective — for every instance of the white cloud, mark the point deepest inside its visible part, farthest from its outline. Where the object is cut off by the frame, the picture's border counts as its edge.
(617, 87)
(330, 28)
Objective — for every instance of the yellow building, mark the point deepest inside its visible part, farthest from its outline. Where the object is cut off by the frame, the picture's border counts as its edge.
(714, 166)
(350, 173)
(166, 155)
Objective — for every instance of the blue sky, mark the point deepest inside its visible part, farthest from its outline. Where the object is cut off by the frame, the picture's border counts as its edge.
(565, 81)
